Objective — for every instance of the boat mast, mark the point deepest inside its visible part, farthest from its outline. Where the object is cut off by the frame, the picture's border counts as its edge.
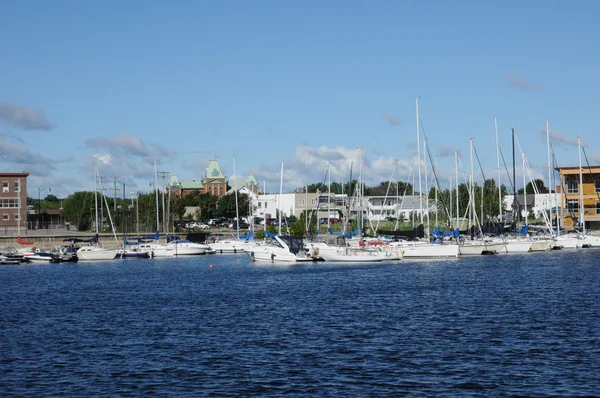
(279, 199)
(550, 196)
(237, 213)
(96, 198)
(471, 190)
(419, 162)
(156, 191)
(524, 190)
(436, 193)
(456, 173)
(581, 206)
(515, 213)
(329, 195)
(426, 229)
(498, 170)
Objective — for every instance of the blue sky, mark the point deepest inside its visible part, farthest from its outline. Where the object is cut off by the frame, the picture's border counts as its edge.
(124, 84)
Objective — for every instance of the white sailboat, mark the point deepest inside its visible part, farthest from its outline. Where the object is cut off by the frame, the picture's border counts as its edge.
(95, 251)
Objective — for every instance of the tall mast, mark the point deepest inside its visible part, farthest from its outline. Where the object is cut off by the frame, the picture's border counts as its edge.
(237, 213)
(436, 192)
(456, 173)
(515, 213)
(581, 206)
(426, 229)
(156, 191)
(329, 195)
(498, 169)
(419, 162)
(96, 198)
(279, 198)
(524, 190)
(472, 186)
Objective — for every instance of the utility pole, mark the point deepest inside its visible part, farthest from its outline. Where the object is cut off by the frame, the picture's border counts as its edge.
(114, 189)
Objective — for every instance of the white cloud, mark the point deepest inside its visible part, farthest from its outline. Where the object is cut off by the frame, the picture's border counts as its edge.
(24, 117)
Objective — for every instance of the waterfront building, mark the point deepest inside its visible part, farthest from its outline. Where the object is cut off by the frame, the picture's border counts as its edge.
(577, 199)
(13, 202)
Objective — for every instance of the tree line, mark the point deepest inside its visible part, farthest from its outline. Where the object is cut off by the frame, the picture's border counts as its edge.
(140, 213)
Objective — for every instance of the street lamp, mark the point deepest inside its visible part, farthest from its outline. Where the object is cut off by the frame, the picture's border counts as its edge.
(40, 189)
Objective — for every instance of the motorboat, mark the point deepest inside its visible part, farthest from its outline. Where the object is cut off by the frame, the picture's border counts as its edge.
(230, 246)
(280, 248)
(346, 254)
(40, 256)
(155, 249)
(184, 247)
(10, 253)
(66, 253)
(9, 260)
(132, 252)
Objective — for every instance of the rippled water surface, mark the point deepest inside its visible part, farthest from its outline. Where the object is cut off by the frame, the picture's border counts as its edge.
(525, 325)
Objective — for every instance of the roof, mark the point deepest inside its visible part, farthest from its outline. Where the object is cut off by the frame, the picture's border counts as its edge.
(190, 185)
(250, 180)
(213, 170)
(11, 174)
(575, 169)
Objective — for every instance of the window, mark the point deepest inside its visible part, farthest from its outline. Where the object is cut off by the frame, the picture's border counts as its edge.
(572, 186)
(597, 207)
(11, 203)
(301, 202)
(265, 205)
(597, 185)
(17, 216)
(259, 204)
(5, 187)
(5, 217)
(573, 206)
(17, 188)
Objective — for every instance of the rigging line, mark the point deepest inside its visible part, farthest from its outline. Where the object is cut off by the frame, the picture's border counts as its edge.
(510, 180)
(404, 195)
(484, 179)
(562, 185)
(437, 183)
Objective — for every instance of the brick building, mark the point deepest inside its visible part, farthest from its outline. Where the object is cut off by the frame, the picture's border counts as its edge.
(13, 202)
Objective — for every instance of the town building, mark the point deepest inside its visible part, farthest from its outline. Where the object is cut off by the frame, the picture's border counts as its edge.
(580, 202)
(214, 182)
(13, 202)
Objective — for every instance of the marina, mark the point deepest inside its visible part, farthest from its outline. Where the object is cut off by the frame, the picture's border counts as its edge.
(522, 324)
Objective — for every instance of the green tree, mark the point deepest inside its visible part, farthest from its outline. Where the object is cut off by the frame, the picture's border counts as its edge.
(78, 210)
(226, 205)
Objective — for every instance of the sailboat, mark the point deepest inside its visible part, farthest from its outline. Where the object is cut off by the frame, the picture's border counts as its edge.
(94, 251)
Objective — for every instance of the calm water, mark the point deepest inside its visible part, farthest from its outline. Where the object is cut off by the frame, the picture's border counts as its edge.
(483, 326)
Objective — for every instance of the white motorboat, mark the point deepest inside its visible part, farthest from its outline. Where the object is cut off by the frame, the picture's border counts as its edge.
(591, 241)
(184, 247)
(41, 257)
(155, 249)
(9, 260)
(230, 246)
(280, 248)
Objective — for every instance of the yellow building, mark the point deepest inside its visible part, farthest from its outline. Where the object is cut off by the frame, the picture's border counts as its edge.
(571, 200)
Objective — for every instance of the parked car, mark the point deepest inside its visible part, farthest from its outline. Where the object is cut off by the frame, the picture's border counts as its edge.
(243, 225)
